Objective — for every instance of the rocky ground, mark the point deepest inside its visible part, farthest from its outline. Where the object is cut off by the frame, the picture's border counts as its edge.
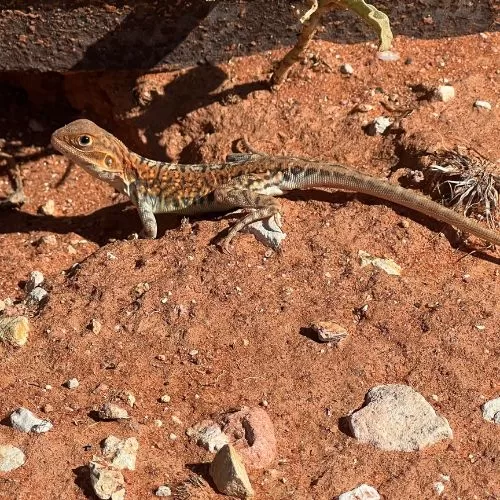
(192, 333)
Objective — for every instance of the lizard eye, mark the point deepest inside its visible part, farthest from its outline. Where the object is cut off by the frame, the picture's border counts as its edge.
(84, 140)
(109, 161)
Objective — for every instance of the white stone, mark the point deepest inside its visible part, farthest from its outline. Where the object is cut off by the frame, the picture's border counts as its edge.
(209, 435)
(72, 383)
(491, 410)
(482, 105)
(387, 265)
(35, 279)
(445, 93)
(362, 492)
(438, 487)
(25, 421)
(37, 297)
(121, 453)
(110, 411)
(10, 458)
(379, 125)
(346, 69)
(397, 418)
(163, 491)
(106, 482)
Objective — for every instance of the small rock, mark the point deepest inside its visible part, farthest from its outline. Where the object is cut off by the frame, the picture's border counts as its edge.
(14, 330)
(158, 423)
(165, 398)
(163, 491)
(35, 279)
(362, 108)
(49, 240)
(72, 383)
(397, 418)
(172, 436)
(378, 126)
(387, 265)
(251, 432)
(482, 105)
(106, 482)
(122, 453)
(362, 492)
(140, 289)
(10, 458)
(438, 487)
(25, 421)
(48, 208)
(37, 297)
(176, 420)
(327, 331)
(445, 93)
(110, 411)
(47, 408)
(267, 231)
(388, 56)
(346, 69)
(229, 474)
(95, 326)
(128, 398)
(3, 305)
(491, 411)
(209, 435)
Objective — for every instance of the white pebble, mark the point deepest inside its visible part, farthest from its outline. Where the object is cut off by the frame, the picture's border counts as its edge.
(163, 491)
(346, 69)
(445, 93)
(482, 105)
(72, 383)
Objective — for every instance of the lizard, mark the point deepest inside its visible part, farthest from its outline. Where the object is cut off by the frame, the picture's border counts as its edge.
(245, 181)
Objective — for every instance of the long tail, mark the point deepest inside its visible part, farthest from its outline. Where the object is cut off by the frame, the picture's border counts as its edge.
(337, 176)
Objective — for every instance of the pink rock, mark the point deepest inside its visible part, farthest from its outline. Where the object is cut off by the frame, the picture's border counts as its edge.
(251, 432)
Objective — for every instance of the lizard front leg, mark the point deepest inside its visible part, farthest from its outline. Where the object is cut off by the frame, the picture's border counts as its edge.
(259, 206)
(149, 226)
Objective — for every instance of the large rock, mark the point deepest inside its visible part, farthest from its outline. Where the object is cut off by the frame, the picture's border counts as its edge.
(10, 458)
(24, 420)
(229, 474)
(397, 418)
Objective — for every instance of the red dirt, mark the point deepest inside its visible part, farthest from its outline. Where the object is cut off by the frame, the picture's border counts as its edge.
(420, 329)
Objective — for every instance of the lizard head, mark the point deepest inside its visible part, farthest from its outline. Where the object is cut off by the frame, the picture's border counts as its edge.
(97, 151)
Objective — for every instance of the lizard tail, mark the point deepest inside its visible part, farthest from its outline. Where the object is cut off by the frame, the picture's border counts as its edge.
(336, 176)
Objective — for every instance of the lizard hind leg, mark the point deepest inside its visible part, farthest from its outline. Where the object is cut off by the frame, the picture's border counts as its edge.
(257, 207)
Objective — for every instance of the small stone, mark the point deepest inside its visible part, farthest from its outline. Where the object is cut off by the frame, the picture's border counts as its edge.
(378, 126)
(327, 331)
(362, 108)
(362, 492)
(172, 436)
(346, 69)
(49, 240)
(48, 208)
(106, 482)
(388, 56)
(121, 453)
(110, 411)
(71, 250)
(47, 408)
(176, 420)
(209, 435)
(482, 105)
(72, 383)
(267, 231)
(24, 420)
(95, 326)
(14, 330)
(397, 418)
(445, 93)
(165, 398)
(140, 289)
(229, 474)
(387, 265)
(491, 410)
(128, 398)
(35, 279)
(2, 306)
(161, 357)
(163, 491)
(11, 458)
(438, 487)
(158, 423)
(37, 297)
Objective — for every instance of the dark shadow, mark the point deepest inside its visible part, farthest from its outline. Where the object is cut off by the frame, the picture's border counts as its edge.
(202, 470)
(188, 92)
(82, 480)
(344, 427)
(309, 333)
